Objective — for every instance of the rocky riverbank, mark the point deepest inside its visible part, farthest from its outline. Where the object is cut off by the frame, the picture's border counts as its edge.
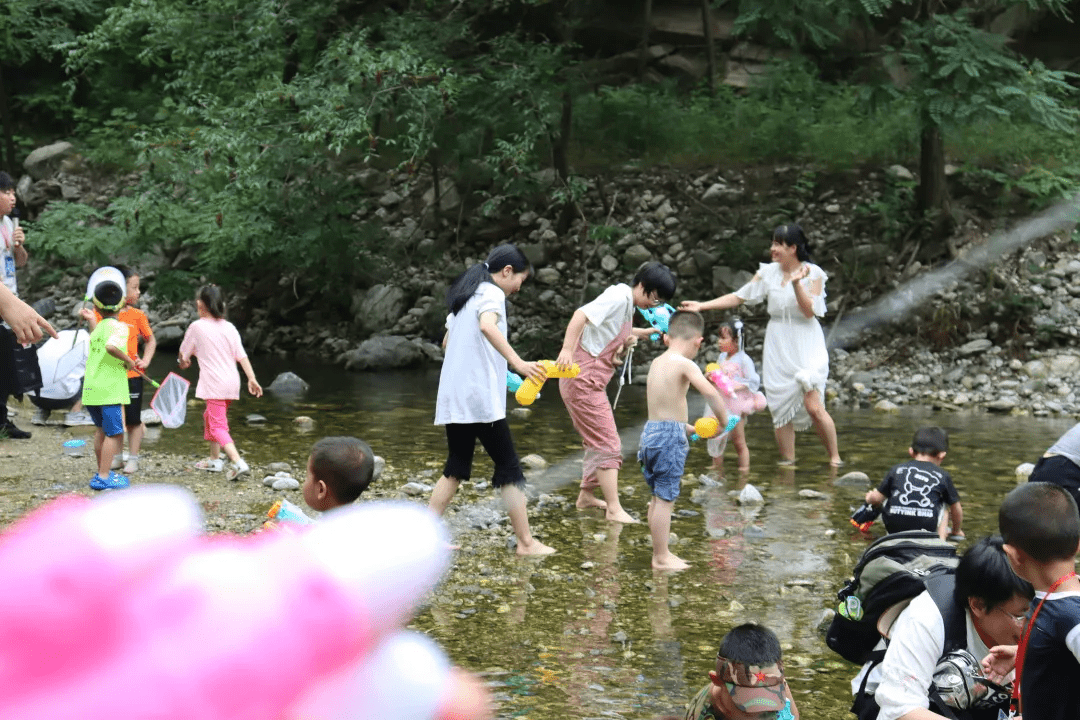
(1002, 339)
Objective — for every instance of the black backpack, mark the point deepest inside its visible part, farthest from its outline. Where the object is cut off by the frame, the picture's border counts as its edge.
(893, 569)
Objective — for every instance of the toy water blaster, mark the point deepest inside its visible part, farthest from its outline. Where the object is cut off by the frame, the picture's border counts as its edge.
(658, 317)
(864, 517)
(514, 381)
(285, 512)
(722, 382)
(530, 389)
(709, 427)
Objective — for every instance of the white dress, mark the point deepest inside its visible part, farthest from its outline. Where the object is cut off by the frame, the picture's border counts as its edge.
(795, 359)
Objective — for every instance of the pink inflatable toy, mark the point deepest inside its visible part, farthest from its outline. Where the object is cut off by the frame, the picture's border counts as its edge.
(120, 608)
(738, 398)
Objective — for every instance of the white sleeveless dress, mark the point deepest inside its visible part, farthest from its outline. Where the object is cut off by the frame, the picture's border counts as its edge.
(795, 359)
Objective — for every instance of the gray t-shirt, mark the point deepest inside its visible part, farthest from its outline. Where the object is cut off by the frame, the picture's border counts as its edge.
(1068, 445)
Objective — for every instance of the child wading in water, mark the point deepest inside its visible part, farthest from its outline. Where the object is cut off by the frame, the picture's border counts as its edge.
(598, 332)
(215, 341)
(663, 448)
(745, 399)
(472, 386)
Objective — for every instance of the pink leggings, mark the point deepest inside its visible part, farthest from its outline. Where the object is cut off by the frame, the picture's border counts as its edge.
(216, 422)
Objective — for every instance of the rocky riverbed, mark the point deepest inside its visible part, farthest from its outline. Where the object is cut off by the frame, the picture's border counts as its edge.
(1000, 338)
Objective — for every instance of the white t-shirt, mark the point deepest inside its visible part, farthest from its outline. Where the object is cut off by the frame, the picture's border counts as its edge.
(472, 384)
(607, 314)
(918, 639)
(7, 254)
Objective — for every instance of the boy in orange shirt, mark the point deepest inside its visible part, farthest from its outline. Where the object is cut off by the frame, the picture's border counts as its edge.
(138, 327)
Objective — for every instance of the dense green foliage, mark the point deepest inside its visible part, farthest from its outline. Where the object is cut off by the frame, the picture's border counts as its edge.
(248, 120)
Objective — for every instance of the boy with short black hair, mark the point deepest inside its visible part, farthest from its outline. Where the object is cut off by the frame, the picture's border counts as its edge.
(338, 471)
(916, 492)
(748, 679)
(105, 388)
(663, 448)
(599, 335)
(1041, 528)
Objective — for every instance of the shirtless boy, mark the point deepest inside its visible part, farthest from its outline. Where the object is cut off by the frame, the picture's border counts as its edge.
(664, 443)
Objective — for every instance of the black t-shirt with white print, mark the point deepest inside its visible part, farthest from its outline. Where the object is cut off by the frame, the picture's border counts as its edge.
(915, 492)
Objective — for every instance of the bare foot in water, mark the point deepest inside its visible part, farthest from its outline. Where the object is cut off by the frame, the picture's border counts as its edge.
(534, 548)
(620, 516)
(669, 562)
(586, 500)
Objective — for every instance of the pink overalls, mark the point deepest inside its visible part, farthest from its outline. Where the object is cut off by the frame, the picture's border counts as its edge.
(585, 398)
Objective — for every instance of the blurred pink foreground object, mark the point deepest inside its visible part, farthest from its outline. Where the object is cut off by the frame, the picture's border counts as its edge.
(121, 608)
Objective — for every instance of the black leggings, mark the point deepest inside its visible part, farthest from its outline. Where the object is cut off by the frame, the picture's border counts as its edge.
(495, 437)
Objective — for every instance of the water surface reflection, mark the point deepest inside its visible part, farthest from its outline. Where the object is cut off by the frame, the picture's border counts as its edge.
(591, 632)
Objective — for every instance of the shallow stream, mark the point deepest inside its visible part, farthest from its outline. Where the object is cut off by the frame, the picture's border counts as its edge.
(592, 632)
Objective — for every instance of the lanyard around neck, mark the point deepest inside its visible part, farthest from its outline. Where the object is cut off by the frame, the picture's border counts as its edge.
(1021, 649)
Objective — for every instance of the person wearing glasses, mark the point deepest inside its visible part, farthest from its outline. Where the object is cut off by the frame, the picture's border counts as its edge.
(931, 664)
(597, 336)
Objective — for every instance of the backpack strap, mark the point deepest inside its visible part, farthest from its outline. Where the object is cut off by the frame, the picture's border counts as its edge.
(942, 589)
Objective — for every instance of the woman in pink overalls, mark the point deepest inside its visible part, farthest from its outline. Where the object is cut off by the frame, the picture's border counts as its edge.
(599, 333)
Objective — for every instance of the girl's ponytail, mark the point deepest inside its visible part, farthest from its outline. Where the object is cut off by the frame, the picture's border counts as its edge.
(213, 300)
(465, 285)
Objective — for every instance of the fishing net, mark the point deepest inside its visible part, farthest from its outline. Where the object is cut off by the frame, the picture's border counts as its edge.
(170, 401)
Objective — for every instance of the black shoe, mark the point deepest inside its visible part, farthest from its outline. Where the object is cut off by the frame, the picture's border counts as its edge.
(13, 432)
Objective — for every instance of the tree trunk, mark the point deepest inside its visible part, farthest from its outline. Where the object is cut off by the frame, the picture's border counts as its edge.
(7, 163)
(646, 25)
(560, 151)
(932, 194)
(710, 52)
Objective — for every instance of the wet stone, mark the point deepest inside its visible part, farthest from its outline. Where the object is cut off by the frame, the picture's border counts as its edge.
(415, 488)
(853, 479)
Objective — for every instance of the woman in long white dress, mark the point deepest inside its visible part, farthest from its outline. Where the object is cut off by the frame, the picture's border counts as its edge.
(796, 361)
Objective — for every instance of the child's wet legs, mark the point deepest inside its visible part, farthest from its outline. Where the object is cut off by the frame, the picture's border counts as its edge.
(738, 439)
(660, 529)
(514, 499)
(215, 450)
(587, 499)
(609, 483)
(444, 492)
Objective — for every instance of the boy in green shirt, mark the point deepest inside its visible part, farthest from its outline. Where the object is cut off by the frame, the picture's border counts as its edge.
(105, 386)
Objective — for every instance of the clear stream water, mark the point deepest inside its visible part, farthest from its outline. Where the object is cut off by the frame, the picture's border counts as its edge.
(592, 632)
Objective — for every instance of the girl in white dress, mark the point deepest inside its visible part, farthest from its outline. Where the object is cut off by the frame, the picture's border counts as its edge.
(795, 359)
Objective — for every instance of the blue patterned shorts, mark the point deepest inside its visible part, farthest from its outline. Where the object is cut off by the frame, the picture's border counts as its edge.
(662, 454)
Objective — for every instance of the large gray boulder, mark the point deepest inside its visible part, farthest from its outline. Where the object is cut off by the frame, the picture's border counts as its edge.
(379, 308)
(725, 279)
(288, 383)
(45, 161)
(385, 352)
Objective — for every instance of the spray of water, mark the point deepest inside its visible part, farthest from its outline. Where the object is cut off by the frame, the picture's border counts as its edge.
(903, 300)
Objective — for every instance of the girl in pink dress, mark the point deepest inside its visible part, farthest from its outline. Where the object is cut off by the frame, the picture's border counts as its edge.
(216, 342)
(738, 382)
(598, 333)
